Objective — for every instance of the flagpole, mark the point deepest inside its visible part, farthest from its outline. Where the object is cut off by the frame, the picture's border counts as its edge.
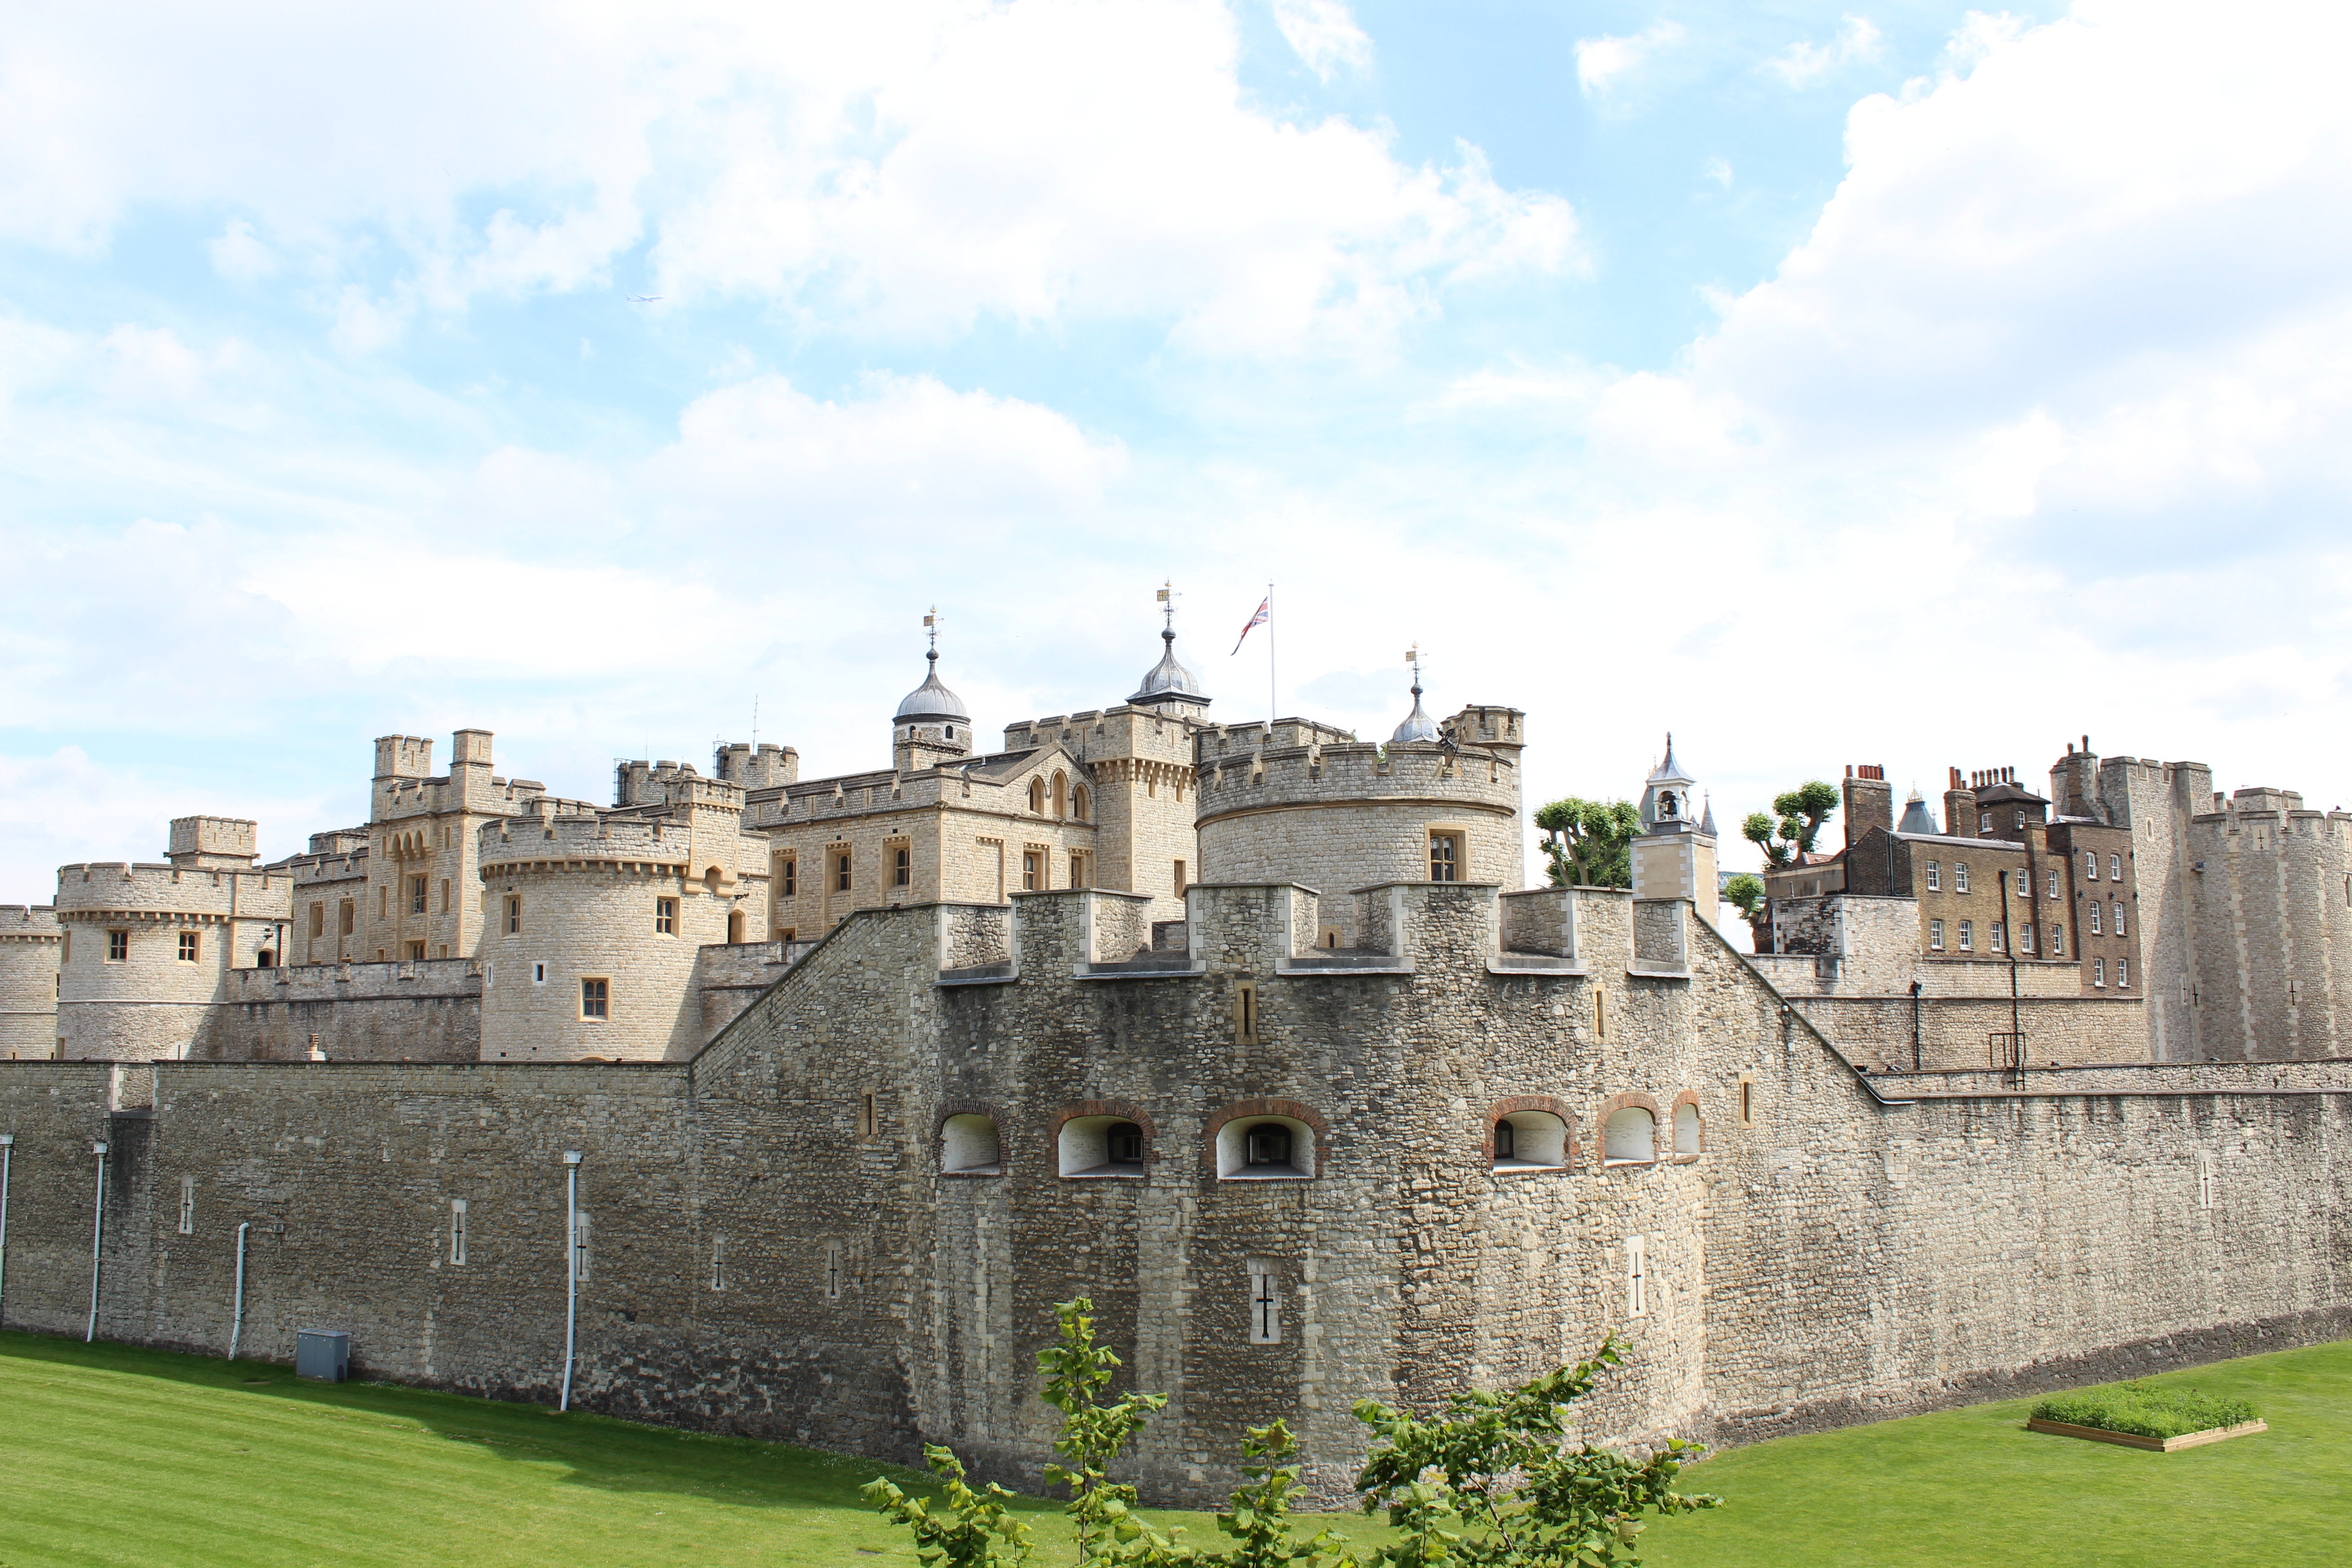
(1273, 704)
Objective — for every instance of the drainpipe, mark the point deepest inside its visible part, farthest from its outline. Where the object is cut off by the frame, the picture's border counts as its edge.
(97, 1241)
(571, 1267)
(7, 1158)
(236, 1324)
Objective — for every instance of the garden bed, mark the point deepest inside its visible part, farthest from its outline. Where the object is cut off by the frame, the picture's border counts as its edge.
(2140, 1416)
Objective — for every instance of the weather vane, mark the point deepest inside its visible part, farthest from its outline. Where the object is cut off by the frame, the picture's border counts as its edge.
(1168, 602)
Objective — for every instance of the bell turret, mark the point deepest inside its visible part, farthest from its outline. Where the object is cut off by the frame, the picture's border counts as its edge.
(932, 725)
(1673, 857)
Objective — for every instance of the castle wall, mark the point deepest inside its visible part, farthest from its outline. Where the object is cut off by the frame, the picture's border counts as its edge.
(2270, 892)
(775, 1249)
(28, 982)
(349, 1011)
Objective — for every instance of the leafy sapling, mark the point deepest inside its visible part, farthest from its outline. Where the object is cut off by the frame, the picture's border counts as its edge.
(1078, 1371)
(969, 1529)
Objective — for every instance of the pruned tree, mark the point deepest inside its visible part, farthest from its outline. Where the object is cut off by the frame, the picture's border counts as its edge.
(1588, 842)
(1745, 893)
(1800, 812)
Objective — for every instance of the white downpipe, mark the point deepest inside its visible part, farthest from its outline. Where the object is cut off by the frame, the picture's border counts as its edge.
(97, 1241)
(236, 1324)
(7, 1159)
(570, 1267)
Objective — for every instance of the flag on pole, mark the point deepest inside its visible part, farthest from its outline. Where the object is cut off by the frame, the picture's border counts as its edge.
(1256, 620)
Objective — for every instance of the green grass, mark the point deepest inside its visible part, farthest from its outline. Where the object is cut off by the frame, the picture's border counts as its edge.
(1973, 1486)
(111, 1455)
(2145, 1409)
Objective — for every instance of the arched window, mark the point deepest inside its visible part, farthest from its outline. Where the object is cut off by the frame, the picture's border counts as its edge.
(1265, 1148)
(1686, 1131)
(1103, 1146)
(968, 1146)
(1531, 1140)
(1061, 796)
(1630, 1136)
(1037, 796)
(1081, 802)
(734, 926)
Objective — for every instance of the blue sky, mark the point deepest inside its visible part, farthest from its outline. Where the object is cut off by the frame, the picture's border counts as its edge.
(1904, 384)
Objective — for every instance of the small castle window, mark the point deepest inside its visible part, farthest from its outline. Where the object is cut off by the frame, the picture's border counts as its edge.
(187, 947)
(841, 872)
(1935, 876)
(969, 1143)
(1747, 1100)
(187, 1205)
(664, 917)
(1531, 1140)
(903, 867)
(416, 894)
(2204, 1180)
(734, 926)
(117, 946)
(1081, 802)
(1444, 857)
(951, 731)
(514, 914)
(1637, 1293)
(1935, 936)
(539, 974)
(791, 877)
(444, 895)
(1630, 1137)
(1180, 883)
(457, 1231)
(318, 920)
(1266, 1303)
(415, 955)
(1101, 1146)
(1246, 1017)
(1687, 1129)
(833, 1271)
(1960, 876)
(1037, 796)
(596, 998)
(1030, 861)
(1265, 1148)
(349, 918)
(1061, 796)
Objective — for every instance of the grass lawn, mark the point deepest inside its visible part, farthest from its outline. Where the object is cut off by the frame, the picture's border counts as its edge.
(111, 1455)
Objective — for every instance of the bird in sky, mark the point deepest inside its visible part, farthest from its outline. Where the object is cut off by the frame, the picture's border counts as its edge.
(643, 298)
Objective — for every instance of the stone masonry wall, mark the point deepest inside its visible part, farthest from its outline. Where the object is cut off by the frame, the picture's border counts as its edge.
(29, 981)
(356, 1012)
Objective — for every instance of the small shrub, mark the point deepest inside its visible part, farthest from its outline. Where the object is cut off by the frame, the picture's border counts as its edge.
(2144, 1410)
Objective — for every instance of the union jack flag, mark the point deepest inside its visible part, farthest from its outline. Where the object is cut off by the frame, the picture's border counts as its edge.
(1256, 620)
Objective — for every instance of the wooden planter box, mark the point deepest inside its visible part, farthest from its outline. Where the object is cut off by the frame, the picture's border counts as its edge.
(2161, 1445)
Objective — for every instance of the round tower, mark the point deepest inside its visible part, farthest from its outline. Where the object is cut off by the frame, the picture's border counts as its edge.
(595, 926)
(145, 950)
(1298, 801)
(932, 725)
(28, 982)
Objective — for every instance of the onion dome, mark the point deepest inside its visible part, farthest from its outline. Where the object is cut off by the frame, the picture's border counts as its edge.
(933, 700)
(1417, 725)
(1169, 679)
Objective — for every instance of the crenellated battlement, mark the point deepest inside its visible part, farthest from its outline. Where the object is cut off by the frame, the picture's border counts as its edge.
(99, 887)
(1242, 780)
(28, 922)
(624, 839)
(212, 841)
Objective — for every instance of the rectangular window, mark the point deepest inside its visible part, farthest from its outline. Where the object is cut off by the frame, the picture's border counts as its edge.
(2119, 917)
(664, 917)
(1077, 867)
(902, 870)
(457, 1230)
(2114, 867)
(2025, 939)
(2090, 865)
(1968, 936)
(2123, 972)
(1935, 936)
(1444, 857)
(539, 974)
(2095, 917)
(415, 953)
(1265, 1303)
(2024, 883)
(1180, 883)
(1994, 937)
(869, 1121)
(1935, 876)
(2057, 942)
(1637, 1283)
(1960, 877)
(833, 1271)
(841, 872)
(580, 1257)
(187, 947)
(596, 998)
(65, 943)
(1984, 822)
(187, 1205)
(1600, 1012)
(2204, 1180)
(384, 903)
(1747, 1100)
(791, 877)
(514, 914)
(1245, 1013)
(1029, 859)
(350, 916)
(317, 919)
(417, 895)
(2098, 972)
(117, 946)
(719, 1262)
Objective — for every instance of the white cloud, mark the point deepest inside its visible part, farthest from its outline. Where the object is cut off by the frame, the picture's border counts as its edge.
(1324, 34)
(1605, 63)
(1803, 64)
(1718, 170)
(900, 168)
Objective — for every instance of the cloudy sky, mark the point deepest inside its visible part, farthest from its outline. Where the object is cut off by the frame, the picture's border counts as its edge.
(1902, 384)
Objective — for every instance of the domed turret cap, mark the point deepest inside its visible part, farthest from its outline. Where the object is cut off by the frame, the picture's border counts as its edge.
(1169, 677)
(1417, 725)
(932, 699)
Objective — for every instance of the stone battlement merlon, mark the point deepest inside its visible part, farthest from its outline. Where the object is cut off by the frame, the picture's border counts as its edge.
(1357, 771)
(627, 839)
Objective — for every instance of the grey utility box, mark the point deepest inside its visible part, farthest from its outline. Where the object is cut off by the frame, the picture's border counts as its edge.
(324, 1353)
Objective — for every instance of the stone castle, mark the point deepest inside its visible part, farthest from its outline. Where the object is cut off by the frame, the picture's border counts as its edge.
(789, 1106)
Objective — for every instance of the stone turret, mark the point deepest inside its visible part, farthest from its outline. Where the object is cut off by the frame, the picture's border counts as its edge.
(28, 982)
(1673, 857)
(932, 725)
